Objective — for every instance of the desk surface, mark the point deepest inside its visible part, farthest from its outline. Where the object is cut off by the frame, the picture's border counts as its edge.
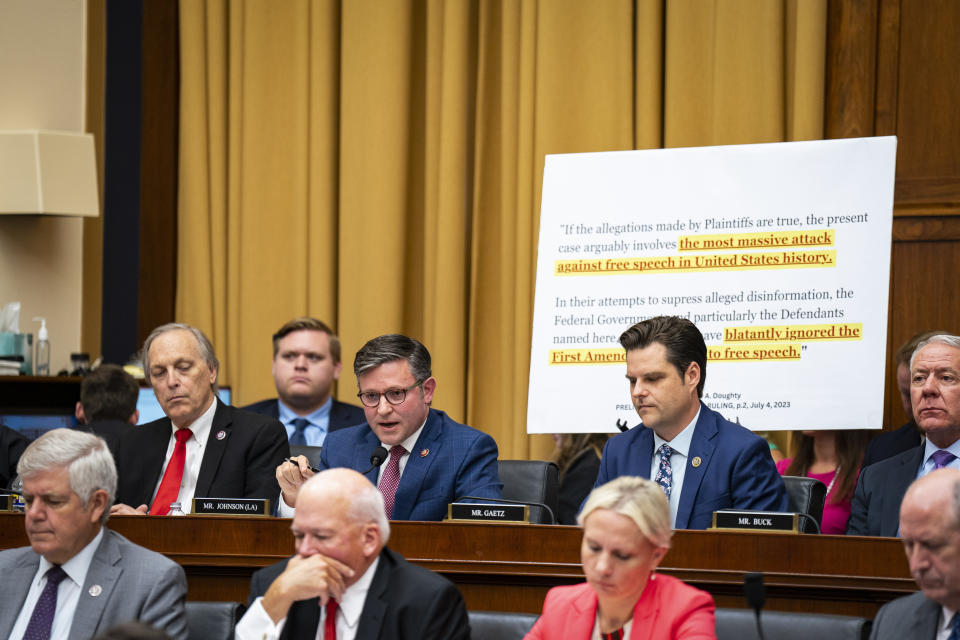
(511, 567)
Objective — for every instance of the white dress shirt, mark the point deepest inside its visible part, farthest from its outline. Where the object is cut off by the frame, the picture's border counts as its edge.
(256, 624)
(68, 592)
(196, 445)
(678, 463)
(943, 629)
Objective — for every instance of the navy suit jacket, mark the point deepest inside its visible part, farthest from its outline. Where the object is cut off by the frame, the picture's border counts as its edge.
(341, 414)
(736, 470)
(241, 464)
(404, 602)
(886, 445)
(449, 460)
(875, 509)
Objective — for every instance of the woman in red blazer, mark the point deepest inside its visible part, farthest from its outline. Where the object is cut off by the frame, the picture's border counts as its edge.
(626, 533)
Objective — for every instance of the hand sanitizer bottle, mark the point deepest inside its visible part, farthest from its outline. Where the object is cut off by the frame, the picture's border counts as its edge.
(42, 362)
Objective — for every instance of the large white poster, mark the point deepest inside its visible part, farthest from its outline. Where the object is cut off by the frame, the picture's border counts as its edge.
(779, 253)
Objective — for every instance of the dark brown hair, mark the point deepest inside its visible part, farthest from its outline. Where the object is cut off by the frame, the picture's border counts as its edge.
(307, 324)
(108, 393)
(680, 337)
(851, 445)
(573, 445)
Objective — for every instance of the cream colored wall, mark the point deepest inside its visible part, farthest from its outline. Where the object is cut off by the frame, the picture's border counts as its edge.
(42, 49)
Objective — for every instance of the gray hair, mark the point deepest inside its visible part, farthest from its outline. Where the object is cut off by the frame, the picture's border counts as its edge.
(87, 457)
(390, 348)
(365, 500)
(367, 506)
(640, 500)
(206, 349)
(940, 338)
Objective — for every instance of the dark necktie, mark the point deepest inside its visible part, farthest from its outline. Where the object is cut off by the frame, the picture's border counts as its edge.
(173, 476)
(665, 471)
(298, 437)
(391, 479)
(330, 622)
(942, 458)
(41, 620)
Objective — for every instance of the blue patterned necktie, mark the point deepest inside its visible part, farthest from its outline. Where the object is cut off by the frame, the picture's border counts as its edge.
(41, 621)
(300, 424)
(954, 627)
(665, 471)
(942, 458)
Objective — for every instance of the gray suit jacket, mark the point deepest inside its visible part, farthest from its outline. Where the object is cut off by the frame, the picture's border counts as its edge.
(914, 616)
(135, 584)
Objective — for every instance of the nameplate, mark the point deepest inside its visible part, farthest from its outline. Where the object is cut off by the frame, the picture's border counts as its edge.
(231, 507)
(473, 512)
(737, 520)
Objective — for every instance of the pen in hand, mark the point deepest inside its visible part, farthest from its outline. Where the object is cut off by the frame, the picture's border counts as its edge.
(292, 461)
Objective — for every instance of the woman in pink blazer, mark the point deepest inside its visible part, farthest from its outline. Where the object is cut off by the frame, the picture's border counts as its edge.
(626, 533)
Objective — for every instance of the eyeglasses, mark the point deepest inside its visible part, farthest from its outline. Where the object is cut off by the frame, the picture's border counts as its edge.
(394, 396)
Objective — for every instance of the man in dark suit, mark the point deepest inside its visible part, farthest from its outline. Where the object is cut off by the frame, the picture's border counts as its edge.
(12, 444)
(306, 363)
(930, 529)
(702, 461)
(108, 404)
(202, 447)
(433, 460)
(935, 397)
(890, 443)
(77, 578)
(344, 580)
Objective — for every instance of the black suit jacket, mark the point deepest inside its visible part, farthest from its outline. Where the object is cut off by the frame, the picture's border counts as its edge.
(111, 431)
(240, 465)
(341, 414)
(875, 510)
(886, 445)
(12, 444)
(405, 602)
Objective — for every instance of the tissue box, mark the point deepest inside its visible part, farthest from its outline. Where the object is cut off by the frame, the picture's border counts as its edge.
(18, 344)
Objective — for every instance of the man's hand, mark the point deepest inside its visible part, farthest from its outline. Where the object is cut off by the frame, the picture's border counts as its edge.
(124, 510)
(304, 578)
(291, 476)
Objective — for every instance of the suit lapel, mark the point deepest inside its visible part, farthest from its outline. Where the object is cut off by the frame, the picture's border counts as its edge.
(102, 578)
(361, 455)
(153, 442)
(17, 579)
(647, 611)
(375, 606)
(214, 450)
(701, 446)
(644, 454)
(901, 478)
(411, 482)
(580, 625)
(925, 620)
(302, 620)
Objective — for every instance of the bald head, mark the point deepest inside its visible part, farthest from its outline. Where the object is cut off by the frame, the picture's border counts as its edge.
(930, 530)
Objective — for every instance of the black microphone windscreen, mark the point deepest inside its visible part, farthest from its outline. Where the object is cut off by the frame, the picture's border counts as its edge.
(378, 456)
(754, 590)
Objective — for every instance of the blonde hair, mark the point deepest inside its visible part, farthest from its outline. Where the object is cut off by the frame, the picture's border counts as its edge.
(640, 500)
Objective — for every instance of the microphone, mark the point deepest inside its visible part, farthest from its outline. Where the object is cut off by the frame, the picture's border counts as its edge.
(376, 458)
(756, 596)
(553, 519)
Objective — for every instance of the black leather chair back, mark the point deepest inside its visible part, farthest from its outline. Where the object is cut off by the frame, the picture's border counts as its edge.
(531, 481)
(806, 495)
(740, 624)
(312, 453)
(213, 620)
(500, 625)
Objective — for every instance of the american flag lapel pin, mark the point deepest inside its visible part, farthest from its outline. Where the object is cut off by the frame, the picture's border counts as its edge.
(424, 453)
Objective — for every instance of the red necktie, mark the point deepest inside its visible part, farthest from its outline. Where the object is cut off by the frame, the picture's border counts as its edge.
(391, 479)
(170, 485)
(330, 622)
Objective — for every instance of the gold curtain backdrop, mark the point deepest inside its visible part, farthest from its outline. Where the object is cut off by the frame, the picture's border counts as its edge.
(378, 163)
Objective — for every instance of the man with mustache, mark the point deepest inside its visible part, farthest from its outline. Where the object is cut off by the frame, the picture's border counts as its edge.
(935, 399)
(702, 461)
(202, 448)
(930, 529)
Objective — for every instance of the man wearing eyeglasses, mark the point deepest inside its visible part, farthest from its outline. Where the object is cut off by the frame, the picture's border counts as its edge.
(432, 460)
